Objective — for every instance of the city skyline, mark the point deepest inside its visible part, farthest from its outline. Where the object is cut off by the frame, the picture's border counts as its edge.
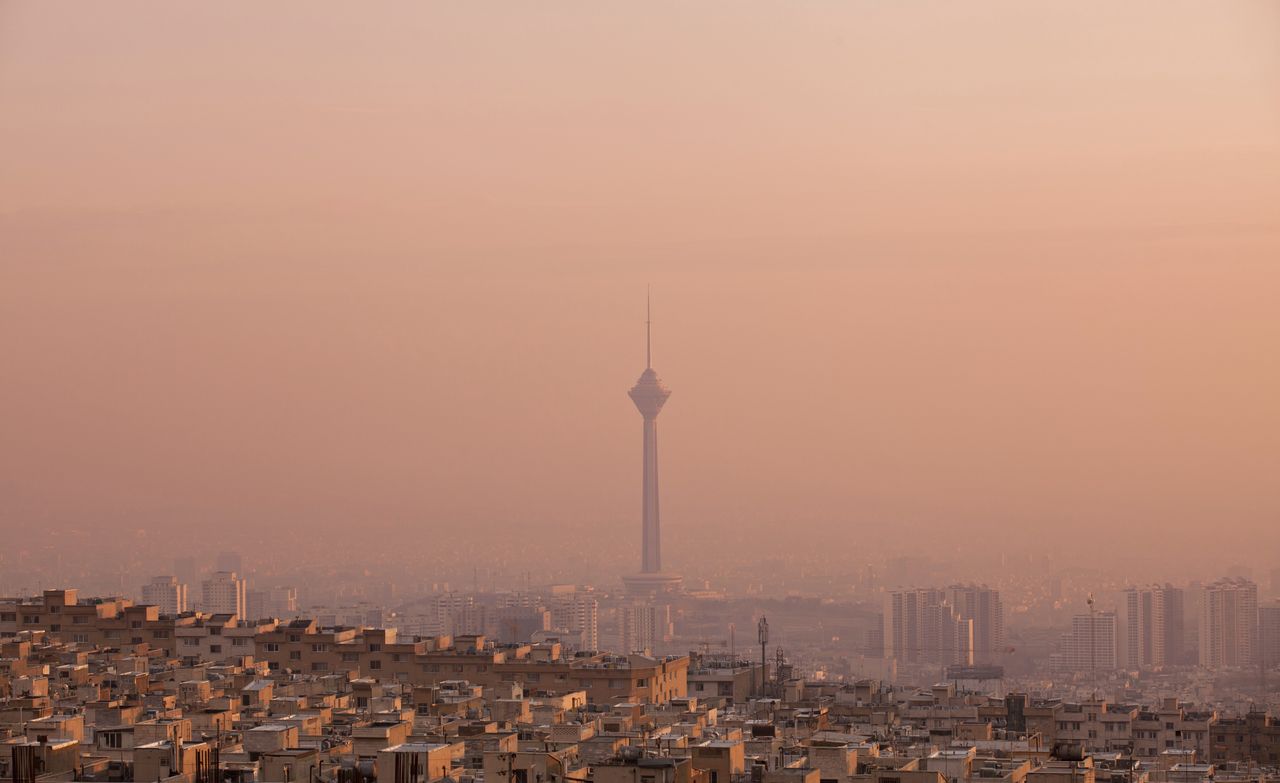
(316, 320)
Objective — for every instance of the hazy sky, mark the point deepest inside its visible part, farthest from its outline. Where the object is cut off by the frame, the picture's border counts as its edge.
(959, 266)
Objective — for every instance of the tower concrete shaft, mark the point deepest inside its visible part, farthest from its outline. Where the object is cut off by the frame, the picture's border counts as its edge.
(649, 395)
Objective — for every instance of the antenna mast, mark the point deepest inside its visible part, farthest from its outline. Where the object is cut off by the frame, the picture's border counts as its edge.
(648, 329)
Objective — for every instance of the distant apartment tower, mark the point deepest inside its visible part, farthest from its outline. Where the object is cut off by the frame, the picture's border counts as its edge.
(184, 568)
(1176, 651)
(224, 593)
(167, 593)
(1152, 630)
(229, 561)
(1143, 638)
(579, 613)
(280, 603)
(921, 626)
(518, 624)
(1091, 644)
(982, 605)
(1269, 633)
(642, 625)
(455, 614)
(1229, 624)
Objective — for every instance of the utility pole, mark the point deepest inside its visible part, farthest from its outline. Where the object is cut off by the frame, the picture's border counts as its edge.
(1093, 646)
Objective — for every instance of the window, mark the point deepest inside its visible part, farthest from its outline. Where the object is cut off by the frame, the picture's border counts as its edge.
(190, 641)
(159, 634)
(375, 664)
(319, 666)
(375, 647)
(318, 648)
(350, 657)
(111, 739)
(9, 617)
(295, 655)
(135, 624)
(293, 637)
(30, 619)
(79, 619)
(239, 641)
(272, 647)
(215, 648)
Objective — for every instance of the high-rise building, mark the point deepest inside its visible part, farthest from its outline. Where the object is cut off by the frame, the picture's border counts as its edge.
(579, 613)
(184, 568)
(280, 603)
(642, 625)
(224, 593)
(229, 561)
(517, 624)
(167, 593)
(1176, 650)
(1144, 629)
(649, 395)
(982, 605)
(922, 626)
(1269, 633)
(1091, 645)
(1229, 624)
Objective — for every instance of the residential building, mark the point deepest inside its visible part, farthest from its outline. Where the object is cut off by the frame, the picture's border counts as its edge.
(981, 605)
(166, 593)
(1229, 624)
(224, 593)
(1091, 644)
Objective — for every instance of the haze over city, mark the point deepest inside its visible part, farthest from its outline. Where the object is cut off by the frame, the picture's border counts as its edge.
(994, 267)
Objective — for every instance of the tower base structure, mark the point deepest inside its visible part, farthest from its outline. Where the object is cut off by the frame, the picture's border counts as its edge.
(653, 583)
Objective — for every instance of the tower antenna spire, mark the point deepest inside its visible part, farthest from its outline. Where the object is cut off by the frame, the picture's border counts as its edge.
(648, 328)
